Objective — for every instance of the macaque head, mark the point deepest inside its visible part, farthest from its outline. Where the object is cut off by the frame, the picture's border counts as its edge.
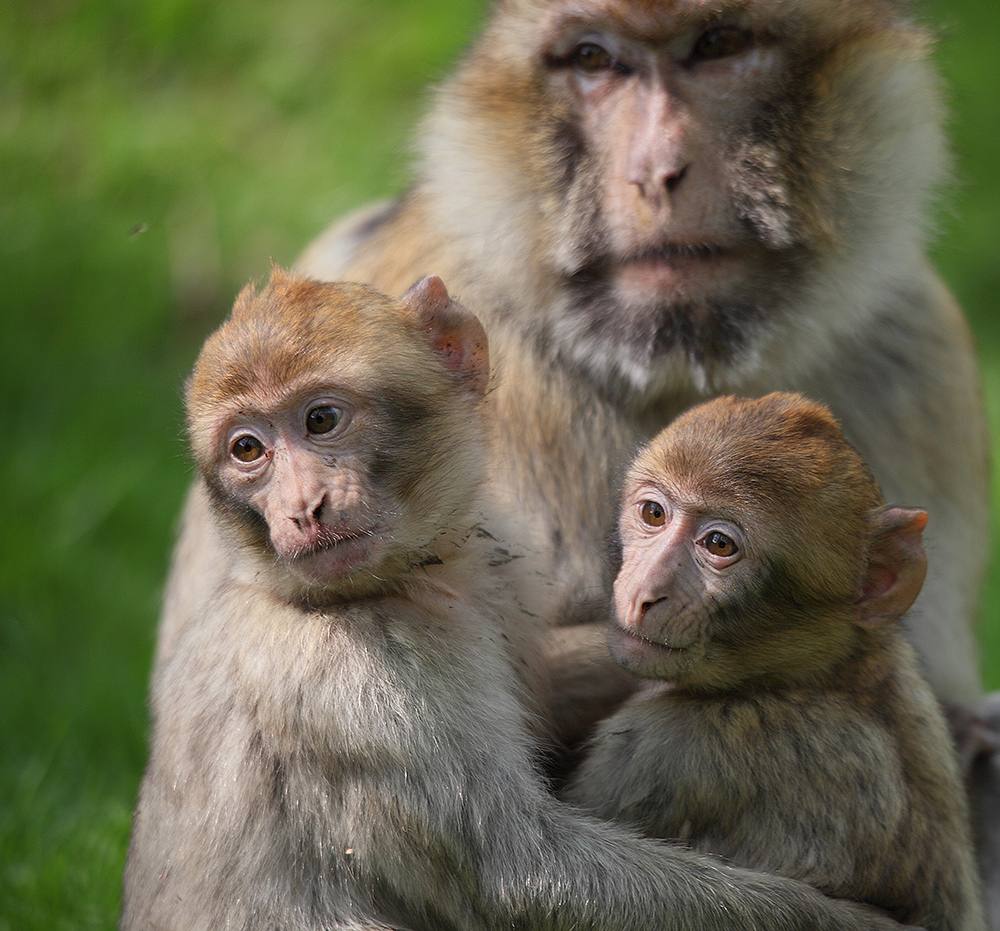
(680, 167)
(757, 548)
(337, 431)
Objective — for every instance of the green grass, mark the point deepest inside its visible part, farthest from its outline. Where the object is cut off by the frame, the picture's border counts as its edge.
(153, 157)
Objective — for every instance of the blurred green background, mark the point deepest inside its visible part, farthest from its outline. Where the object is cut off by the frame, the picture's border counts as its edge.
(155, 156)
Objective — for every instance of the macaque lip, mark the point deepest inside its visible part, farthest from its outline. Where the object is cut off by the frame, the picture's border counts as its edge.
(644, 657)
(670, 266)
(334, 556)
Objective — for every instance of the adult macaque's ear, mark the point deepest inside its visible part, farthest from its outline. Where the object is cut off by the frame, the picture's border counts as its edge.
(454, 333)
(897, 565)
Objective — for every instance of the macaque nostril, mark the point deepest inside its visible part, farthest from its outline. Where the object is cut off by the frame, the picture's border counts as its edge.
(673, 181)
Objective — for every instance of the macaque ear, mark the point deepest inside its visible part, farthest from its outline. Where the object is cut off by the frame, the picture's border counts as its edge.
(897, 565)
(455, 334)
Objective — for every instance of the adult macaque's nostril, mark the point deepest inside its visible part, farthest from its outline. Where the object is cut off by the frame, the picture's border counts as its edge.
(673, 181)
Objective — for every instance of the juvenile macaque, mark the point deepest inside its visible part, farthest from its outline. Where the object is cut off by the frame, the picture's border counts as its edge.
(785, 725)
(341, 735)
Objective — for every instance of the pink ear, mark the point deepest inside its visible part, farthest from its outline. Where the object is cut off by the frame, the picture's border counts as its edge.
(455, 334)
(897, 565)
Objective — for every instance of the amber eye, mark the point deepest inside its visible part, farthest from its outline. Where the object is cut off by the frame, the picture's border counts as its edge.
(652, 513)
(247, 448)
(590, 58)
(721, 42)
(718, 544)
(323, 418)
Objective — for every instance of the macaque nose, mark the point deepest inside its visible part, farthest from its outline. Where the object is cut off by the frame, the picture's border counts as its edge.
(657, 163)
(301, 527)
(310, 518)
(654, 180)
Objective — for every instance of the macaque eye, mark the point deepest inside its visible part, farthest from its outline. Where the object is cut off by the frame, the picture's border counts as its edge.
(718, 544)
(247, 448)
(721, 42)
(652, 513)
(590, 58)
(323, 418)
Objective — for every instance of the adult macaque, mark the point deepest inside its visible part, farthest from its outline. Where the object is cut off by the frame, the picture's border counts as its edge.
(339, 735)
(649, 204)
(786, 726)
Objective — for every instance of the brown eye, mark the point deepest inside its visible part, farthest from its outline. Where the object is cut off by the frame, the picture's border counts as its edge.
(589, 57)
(247, 448)
(721, 42)
(652, 513)
(323, 418)
(718, 544)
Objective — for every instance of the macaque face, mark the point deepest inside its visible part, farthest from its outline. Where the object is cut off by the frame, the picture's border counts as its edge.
(338, 432)
(682, 557)
(299, 464)
(664, 102)
(684, 209)
(689, 159)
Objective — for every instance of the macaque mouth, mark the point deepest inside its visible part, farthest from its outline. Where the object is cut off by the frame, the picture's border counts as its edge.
(638, 639)
(328, 539)
(673, 252)
(667, 255)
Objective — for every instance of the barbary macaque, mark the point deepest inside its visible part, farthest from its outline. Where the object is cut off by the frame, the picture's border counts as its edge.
(652, 203)
(784, 724)
(341, 733)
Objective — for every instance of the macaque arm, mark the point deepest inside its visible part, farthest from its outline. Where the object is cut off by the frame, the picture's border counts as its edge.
(585, 682)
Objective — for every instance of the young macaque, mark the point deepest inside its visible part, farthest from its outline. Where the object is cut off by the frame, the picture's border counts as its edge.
(339, 735)
(785, 726)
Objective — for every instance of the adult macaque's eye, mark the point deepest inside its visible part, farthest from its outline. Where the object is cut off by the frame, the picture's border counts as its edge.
(652, 513)
(721, 42)
(590, 58)
(323, 418)
(247, 448)
(718, 544)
